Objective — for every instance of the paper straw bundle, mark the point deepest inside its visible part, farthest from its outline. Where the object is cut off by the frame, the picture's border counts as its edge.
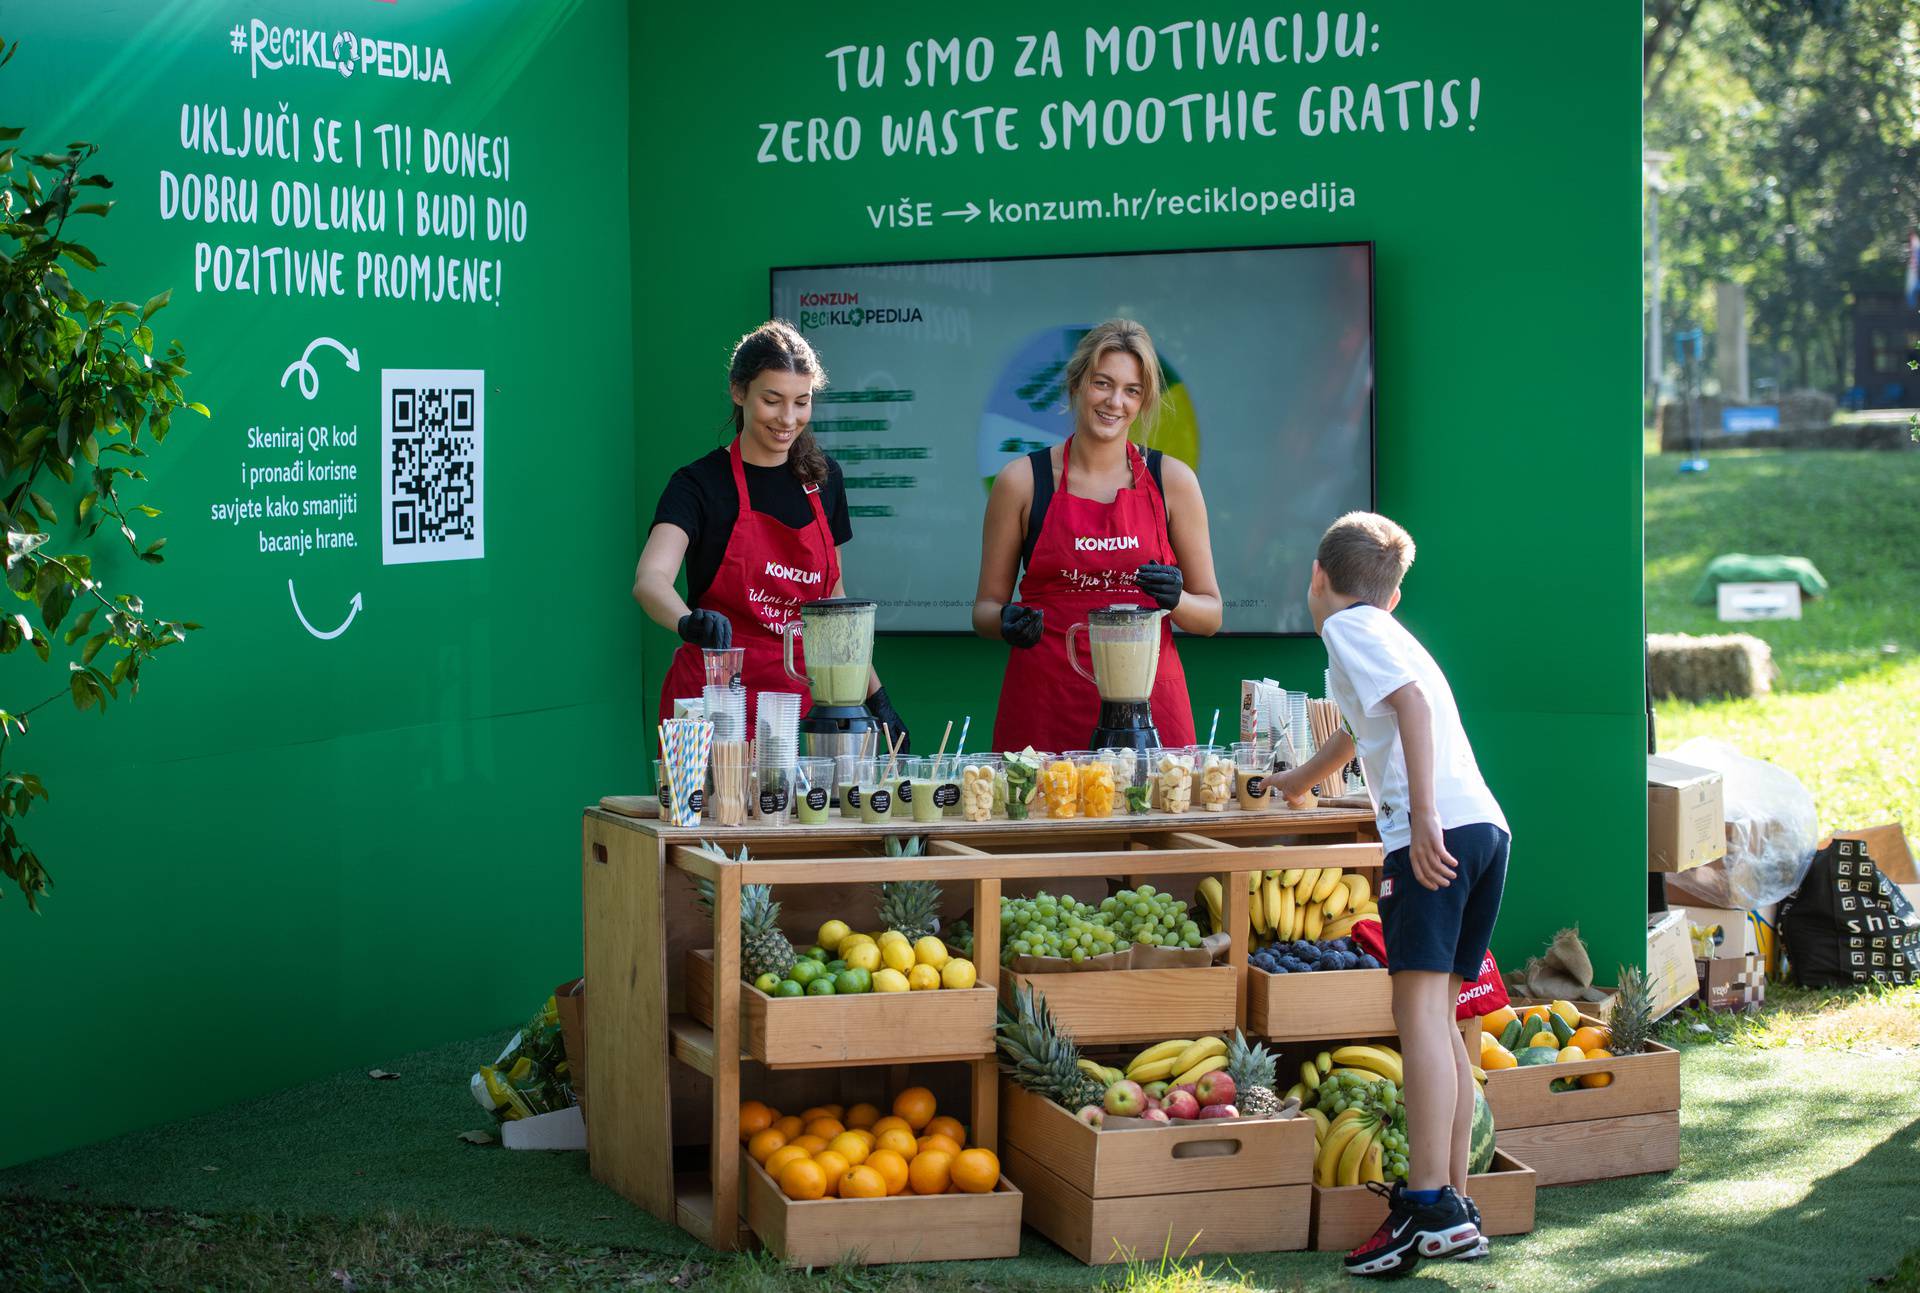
(1324, 716)
(685, 744)
(732, 768)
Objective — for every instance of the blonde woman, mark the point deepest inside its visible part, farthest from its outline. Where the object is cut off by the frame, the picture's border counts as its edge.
(1091, 523)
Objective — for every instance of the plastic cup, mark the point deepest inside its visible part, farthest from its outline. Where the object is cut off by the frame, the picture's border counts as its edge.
(1212, 777)
(917, 790)
(665, 788)
(813, 790)
(874, 785)
(1172, 781)
(1059, 796)
(846, 785)
(946, 784)
(723, 666)
(1099, 786)
(1251, 765)
(977, 773)
(775, 798)
(732, 781)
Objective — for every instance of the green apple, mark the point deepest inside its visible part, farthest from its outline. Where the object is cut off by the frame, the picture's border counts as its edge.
(767, 982)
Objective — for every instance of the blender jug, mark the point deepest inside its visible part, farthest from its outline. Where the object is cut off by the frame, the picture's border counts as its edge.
(1125, 644)
(838, 646)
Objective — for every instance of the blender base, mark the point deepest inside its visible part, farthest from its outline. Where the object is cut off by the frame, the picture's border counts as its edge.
(831, 731)
(1125, 725)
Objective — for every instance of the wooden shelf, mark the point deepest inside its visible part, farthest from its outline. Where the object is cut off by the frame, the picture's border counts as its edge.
(691, 1042)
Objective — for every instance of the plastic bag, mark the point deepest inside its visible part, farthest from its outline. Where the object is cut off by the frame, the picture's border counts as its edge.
(531, 1076)
(1772, 829)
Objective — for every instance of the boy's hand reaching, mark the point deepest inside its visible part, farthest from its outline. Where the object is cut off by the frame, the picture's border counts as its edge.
(1433, 866)
(1292, 785)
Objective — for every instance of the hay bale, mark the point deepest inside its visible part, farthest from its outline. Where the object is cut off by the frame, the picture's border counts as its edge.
(1683, 667)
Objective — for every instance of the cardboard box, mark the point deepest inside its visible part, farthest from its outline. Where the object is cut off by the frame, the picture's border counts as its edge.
(1887, 846)
(1670, 970)
(1727, 982)
(1686, 815)
(563, 1129)
(1737, 935)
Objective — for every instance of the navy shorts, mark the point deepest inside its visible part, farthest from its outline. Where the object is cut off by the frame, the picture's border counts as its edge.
(1446, 930)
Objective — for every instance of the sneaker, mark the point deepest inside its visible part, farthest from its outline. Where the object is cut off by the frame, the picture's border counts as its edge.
(1480, 1249)
(1411, 1231)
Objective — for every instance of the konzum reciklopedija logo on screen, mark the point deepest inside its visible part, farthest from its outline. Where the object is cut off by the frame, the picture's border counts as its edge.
(844, 310)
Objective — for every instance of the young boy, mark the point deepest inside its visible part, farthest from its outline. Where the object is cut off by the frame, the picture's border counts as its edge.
(1446, 862)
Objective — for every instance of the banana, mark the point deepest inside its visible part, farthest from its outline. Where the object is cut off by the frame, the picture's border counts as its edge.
(1161, 1051)
(1338, 928)
(1153, 1071)
(1091, 1069)
(1368, 1074)
(1314, 918)
(1257, 912)
(1270, 892)
(1289, 877)
(1376, 1059)
(1326, 1167)
(1297, 1092)
(1303, 890)
(1348, 1171)
(1283, 915)
(1215, 898)
(1357, 888)
(1201, 1069)
(1328, 879)
(1309, 1075)
(1204, 1049)
(1368, 908)
(1337, 900)
(1479, 1075)
(1353, 1114)
(1324, 1062)
(1370, 1164)
(1320, 1125)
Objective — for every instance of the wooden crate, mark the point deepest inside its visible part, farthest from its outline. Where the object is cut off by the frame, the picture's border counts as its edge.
(951, 1023)
(1597, 1149)
(872, 1232)
(1345, 1216)
(1645, 1083)
(1127, 1005)
(1150, 1226)
(1321, 1006)
(1156, 1161)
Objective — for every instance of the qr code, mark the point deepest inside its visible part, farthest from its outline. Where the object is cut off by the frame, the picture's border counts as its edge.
(433, 460)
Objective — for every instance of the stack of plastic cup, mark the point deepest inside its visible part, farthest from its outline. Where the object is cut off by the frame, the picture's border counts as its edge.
(777, 747)
(727, 711)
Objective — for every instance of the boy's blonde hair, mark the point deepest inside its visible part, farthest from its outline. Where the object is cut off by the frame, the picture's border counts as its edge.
(1366, 555)
(1130, 338)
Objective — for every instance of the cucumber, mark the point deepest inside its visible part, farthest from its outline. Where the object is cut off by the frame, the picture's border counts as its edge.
(1560, 1029)
(1510, 1036)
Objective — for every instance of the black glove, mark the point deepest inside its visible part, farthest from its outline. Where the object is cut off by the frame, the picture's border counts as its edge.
(1162, 583)
(1021, 625)
(882, 710)
(708, 629)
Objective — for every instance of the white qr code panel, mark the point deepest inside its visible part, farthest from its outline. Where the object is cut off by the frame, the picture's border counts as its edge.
(432, 465)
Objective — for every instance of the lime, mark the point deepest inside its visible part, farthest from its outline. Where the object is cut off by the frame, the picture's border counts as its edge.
(816, 953)
(820, 987)
(790, 988)
(836, 965)
(805, 971)
(767, 982)
(853, 981)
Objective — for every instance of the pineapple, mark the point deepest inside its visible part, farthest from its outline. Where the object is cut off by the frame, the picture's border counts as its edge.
(1251, 1068)
(1040, 1057)
(910, 906)
(1632, 1021)
(763, 948)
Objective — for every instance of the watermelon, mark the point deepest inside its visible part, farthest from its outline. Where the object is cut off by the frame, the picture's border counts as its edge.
(1529, 1056)
(1480, 1145)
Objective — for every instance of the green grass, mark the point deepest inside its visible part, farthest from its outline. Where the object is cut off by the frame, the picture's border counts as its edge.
(1797, 1172)
(1845, 714)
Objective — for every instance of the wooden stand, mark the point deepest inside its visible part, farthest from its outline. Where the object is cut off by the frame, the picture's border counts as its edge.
(668, 1085)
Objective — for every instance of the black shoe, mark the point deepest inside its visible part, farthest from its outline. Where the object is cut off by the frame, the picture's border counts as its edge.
(1411, 1231)
(1480, 1249)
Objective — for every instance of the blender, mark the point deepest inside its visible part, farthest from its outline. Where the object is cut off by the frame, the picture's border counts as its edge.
(838, 644)
(1124, 642)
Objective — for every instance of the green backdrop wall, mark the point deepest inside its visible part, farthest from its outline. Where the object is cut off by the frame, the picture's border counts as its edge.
(298, 852)
(1507, 311)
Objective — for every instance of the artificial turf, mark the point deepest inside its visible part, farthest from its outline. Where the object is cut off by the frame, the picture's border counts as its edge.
(1800, 1170)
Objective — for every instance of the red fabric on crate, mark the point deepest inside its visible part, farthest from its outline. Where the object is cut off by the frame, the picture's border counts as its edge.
(1485, 994)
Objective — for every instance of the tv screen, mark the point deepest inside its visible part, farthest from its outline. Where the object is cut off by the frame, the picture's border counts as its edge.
(942, 372)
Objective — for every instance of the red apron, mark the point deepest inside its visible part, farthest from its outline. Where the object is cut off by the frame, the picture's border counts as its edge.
(1043, 702)
(769, 569)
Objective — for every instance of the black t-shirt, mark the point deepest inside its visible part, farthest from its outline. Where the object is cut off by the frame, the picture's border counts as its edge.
(700, 499)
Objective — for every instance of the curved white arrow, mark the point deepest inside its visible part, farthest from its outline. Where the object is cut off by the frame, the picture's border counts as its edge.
(309, 626)
(309, 376)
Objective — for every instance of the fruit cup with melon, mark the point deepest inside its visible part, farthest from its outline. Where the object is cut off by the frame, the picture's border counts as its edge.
(912, 1150)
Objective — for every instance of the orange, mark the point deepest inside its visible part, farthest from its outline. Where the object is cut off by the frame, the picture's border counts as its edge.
(835, 1110)
(937, 1145)
(780, 1157)
(900, 1141)
(915, 1104)
(803, 1179)
(930, 1173)
(816, 1111)
(812, 1144)
(864, 1136)
(764, 1143)
(863, 1115)
(863, 1183)
(1497, 1057)
(888, 1123)
(1596, 1079)
(755, 1117)
(834, 1165)
(825, 1128)
(892, 1168)
(976, 1171)
(849, 1147)
(1587, 1038)
(948, 1127)
(789, 1126)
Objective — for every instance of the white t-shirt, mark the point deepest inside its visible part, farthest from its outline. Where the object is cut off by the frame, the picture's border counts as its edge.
(1370, 657)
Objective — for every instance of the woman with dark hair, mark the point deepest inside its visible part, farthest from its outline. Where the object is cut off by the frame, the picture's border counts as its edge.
(757, 524)
(1091, 523)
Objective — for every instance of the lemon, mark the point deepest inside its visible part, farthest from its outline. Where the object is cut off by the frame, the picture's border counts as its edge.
(957, 973)
(923, 978)
(898, 955)
(861, 956)
(930, 951)
(832, 933)
(889, 981)
(894, 936)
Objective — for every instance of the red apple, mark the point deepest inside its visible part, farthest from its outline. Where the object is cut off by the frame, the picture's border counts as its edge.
(1182, 1104)
(1156, 1115)
(1125, 1099)
(1219, 1111)
(1152, 1103)
(1158, 1090)
(1215, 1088)
(1093, 1115)
(1188, 1087)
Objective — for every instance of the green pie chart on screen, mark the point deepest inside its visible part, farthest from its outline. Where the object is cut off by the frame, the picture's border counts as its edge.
(1026, 406)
